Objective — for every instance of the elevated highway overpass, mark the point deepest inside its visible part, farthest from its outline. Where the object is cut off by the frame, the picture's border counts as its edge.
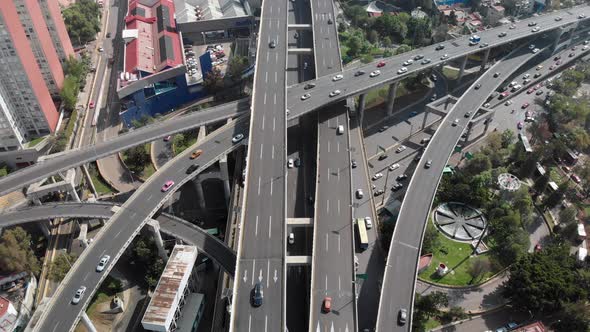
(169, 224)
(124, 225)
(402, 261)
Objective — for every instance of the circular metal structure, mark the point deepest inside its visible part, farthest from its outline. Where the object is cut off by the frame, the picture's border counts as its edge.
(459, 221)
(508, 182)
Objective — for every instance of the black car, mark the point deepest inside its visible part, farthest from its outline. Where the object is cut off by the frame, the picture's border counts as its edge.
(108, 35)
(257, 295)
(192, 168)
(440, 47)
(353, 163)
(402, 177)
(297, 162)
(383, 128)
(378, 192)
(467, 114)
(272, 44)
(309, 86)
(417, 158)
(477, 86)
(397, 186)
(383, 156)
(359, 73)
(418, 57)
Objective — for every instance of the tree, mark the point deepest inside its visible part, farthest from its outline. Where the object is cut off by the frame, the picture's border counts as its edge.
(568, 215)
(477, 268)
(60, 266)
(541, 183)
(4, 170)
(427, 306)
(454, 313)
(136, 158)
(403, 49)
(82, 21)
(431, 239)
(75, 67)
(237, 64)
(453, 18)
(544, 281)
(16, 254)
(213, 81)
(555, 196)
(419, 31)
(145, 255)
(387, 42)
(573, 317)
(510, 241)
(69, 92)
(373, 36)
(354, 46)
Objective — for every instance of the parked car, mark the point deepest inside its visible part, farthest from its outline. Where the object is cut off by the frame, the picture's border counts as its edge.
(377, 176)
(368, 222)
(401, 148)
(309, 86)
(402, 316)
(402, 177)
(575, 178)
(306, 96)
(393, 167)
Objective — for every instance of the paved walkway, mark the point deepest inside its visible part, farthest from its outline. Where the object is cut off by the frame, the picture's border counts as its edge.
(475, 299)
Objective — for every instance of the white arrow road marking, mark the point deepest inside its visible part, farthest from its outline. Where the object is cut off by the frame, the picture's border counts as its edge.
(332, 327)
(275, 277)
(318, 329)
(245, 277)
(346, 328)
(260, 276)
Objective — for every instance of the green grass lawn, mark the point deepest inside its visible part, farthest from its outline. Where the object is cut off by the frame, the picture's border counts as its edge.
(555, 175)
(379, 96)
(148, 171)
(456, 256)
(450, 73)
(36, 141)
(431, 323)
(100, 184)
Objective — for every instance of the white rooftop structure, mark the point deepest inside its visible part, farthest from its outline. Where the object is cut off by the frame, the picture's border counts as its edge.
(581, 254)
(193, 10)
(160, 313)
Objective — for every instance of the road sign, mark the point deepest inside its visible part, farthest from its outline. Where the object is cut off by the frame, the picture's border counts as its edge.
(361, 276)
(468, 155)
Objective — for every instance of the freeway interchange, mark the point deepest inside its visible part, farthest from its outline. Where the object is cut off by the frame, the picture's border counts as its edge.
(257, 258)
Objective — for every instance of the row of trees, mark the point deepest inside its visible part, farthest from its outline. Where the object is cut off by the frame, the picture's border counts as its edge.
(16, 254)
(82, 20)
(430, 306)
(144, 255)
(553, 285)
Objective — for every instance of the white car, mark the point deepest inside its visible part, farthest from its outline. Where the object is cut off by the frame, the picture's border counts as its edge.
(237, 138)
(408, 62)
(531, 46)
(536, 50)
(455, 122)
(103, 263)
(359, 194)
(377, 176)
(290, 163)
(305, 96)
(444, 57)
(334, 93)
(78, 295)
(368, 222)
(375, 73)
(508, 103)
(535, 29)
(337, 78)
(393, 167)
(291, 238)
(401, 148)
(402, 70)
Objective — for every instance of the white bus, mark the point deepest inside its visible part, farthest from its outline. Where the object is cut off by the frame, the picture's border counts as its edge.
(362, 232)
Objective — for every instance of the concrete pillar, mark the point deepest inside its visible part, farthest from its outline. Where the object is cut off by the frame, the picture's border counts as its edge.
(88, 323)
(225, 178)
(486, 55)
(361, 107)
(154, 227)
(425, 118)
(572, 32)
(36, 200)
(487, 125)
(73, 193)
(200, 193)
(391, 97)
(462, 68)
(45, 227)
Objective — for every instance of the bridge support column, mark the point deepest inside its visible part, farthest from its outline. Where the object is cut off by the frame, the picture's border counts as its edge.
(200, 193)
(469, 129)
(361, 107)
(154, 227)
(88, 323)
(45, 227)
(487, 124)
(462, 69)
(391, 97)
(225, 178)
(486, 55)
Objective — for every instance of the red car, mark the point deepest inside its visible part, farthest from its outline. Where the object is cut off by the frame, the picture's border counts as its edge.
(327, 305)
(504, 94)
(576, 178)
(381, 64)
(167, 185)
(529, 91)
(91, 105)
(525, 105)
(167, 138)
(537, 87)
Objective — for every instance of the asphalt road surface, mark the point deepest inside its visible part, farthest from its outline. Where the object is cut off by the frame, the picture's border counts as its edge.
(400, 273)
(61, 314)
(262, 247)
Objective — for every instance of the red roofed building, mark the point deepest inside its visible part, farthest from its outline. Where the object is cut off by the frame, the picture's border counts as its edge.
(8, 315)
(534, 327)
(156, 44)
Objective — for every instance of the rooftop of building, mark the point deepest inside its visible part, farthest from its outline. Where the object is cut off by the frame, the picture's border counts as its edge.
(152, 42)
(198, 10)
(534, 327)
(172, 282)
(377, 8)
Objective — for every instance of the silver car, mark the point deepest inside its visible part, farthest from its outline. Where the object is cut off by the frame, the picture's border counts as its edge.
(78, 295)
(103, 263)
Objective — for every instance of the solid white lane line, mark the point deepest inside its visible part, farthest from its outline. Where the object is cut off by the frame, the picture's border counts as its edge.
(273, 124)
(267, 272)
(249, 323)
(256, 227)
(328, 206)
(253, 265)
(263, 118)
(266, 77)
(261, 149)
(259, 183)
(271, 180)
(269, 226)
(264, 98)
(276, 75)
(338, 207)
(328, 146)
(337, 146)
(272, 155)
(338, 242)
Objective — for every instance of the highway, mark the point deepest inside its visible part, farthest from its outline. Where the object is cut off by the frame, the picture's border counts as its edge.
(118, 233)
(401, 268)
(332, 259)
(455, 48)
(171, 225)
(261, 249)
